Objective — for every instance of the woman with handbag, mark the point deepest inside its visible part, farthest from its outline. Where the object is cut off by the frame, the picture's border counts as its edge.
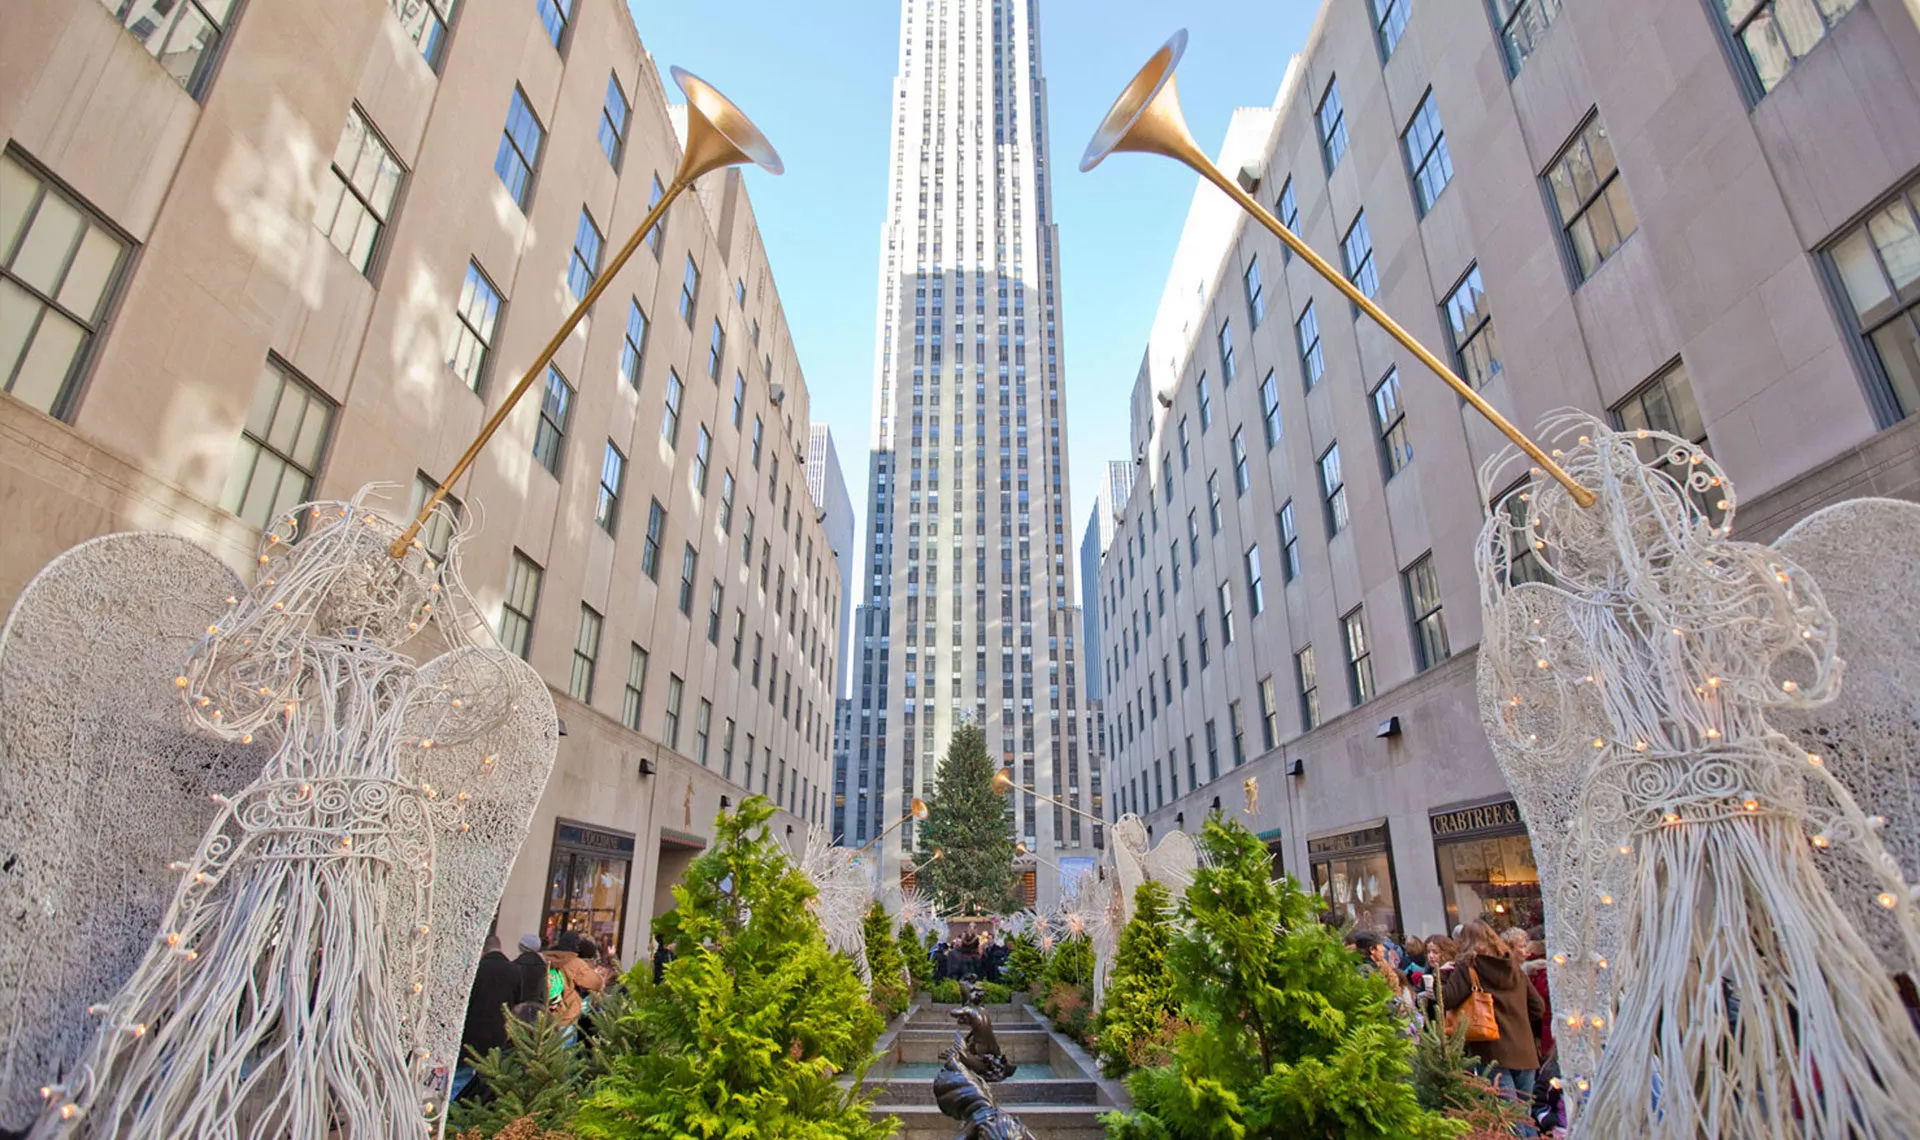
(1490, 991)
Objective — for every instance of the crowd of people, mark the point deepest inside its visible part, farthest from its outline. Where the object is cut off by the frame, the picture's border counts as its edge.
(564, 981)
(1440, 975)
(978, 956)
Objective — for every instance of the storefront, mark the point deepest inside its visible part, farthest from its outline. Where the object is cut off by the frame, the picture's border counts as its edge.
(1486, 866)
(1353, 875)
(587, 884)
(1276, 853)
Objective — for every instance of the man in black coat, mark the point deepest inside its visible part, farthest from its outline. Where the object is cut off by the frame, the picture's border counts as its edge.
(533, 968)
(497, 985)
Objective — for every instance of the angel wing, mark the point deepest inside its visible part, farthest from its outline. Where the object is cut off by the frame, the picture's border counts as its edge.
(1173, 862)
(105, 785)
(845, 892)
(1865, 555)
(1129, 861)
(495, 735)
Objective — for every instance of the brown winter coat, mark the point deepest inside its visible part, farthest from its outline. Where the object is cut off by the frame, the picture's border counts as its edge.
(579, 976)
(1517, 1008)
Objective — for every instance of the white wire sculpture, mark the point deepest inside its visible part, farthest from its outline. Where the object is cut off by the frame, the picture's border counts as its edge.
(310, 972)
(845, 889)
(1707, 981)
(915, 909)
(1104, 905)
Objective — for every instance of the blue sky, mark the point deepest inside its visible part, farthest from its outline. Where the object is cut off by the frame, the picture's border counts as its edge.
(817, 77)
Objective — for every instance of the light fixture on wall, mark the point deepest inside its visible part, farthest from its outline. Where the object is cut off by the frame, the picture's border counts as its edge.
(726, 802)
(1180, 820)
(1216, 803)
(1387, 727)
(1297, 767)
(561, 722)
(647, 767)
(776, 395)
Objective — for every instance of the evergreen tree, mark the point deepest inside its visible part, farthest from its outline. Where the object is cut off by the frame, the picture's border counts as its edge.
(884, 964)
(1290, 1037)
(537, 1077)
(755, 1016)
(1140, 1011)
(1024, 963)
(967, 823)
(919, 966)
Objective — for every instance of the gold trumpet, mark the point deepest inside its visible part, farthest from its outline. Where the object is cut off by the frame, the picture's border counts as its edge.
(916, 809)
(1146, 118)
(1003, 783)
(718, 134)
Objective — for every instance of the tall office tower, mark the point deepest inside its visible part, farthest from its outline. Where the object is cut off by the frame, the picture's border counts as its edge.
(1108, 501)
(967, 612)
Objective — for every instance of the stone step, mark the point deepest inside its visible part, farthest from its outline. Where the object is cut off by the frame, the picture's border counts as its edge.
(934, 1013)
(1045, 1090)
(923, 1046)
(1045, 1121)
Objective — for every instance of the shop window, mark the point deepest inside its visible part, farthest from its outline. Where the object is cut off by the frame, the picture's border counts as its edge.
(587, 877)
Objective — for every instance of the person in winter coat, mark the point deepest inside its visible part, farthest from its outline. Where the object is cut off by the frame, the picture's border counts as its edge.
(1514, 1058)
(497, 984)
(533, 970)
(581, 980)
(662, 955)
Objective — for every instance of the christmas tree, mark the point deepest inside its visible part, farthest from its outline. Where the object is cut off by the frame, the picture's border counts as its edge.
(967, 824)
(884, 964)
(1140, 1013)
(537, 1078)
(1291, 1038)
(755, 1018)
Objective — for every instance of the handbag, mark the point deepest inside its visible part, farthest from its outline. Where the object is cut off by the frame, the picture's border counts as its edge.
(1478, 1010)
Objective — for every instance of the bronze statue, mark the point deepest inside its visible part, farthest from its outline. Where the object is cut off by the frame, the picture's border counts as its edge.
(961, 1094)
(978, 1049)
(972, 992)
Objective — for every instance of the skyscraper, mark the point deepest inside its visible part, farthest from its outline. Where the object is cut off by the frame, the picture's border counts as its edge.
(1108, 501)
(967, 611)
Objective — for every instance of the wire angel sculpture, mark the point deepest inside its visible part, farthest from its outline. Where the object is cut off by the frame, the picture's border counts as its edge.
(1710, 882)
(305, 973)
(1171, 863)
(844, 888)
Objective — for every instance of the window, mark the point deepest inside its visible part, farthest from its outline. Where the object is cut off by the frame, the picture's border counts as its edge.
(1309, 689)
(586, 654)
(656, 532)
(1242, 477)
(613, 469)
(689, 291)
(1471, 327)
(1776, 34)
(1213, 751)
(1306, 333)
(586, 256)
(689, 566)
(613, 122)
(1523, 563)
(1269, 713)
(759, 433)
(184, 38)
(356, 204)
(517, 608)
(636, 687)
(1173, 559)
(1186, 457)
(739, 634)
(1270, 408)
(436, 534)
(1429, 624)
(739, 397)
(1200, 631)
(426, 25)
(1396, 450)
(1225, 592)
(702, 461)
(1334, 489)
(478, 312)
(726, 502)
(280, 447)
(716, 603)
(1213, 502)
(556, 409)
(1356, 249)
(1237, 732)
(670, 410)
(1256, 302)
(1256, 585)
(1390, 20)
(660, 226)
(555, 14)
(1289, 211)
(716, 351)
(1878, 264)
(519, 153)
(59, 265)
(1665, 403)
(1206, 404)
(1359, 656)
(702, 730)
(634, 349)
(671, 723)
(1591, 198)
(1522, 23)
(1289, 543)
(1427, 155)
(1332, 122)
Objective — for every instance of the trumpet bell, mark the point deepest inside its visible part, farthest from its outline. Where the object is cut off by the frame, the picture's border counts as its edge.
(719, 133)
(1146, 117)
